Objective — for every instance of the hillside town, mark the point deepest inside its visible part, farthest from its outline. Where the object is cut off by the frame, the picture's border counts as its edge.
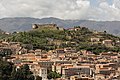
(68, 61)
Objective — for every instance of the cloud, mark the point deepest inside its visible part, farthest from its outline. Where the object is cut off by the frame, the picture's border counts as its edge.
(65, 9)
(105, 11)
(111, 12)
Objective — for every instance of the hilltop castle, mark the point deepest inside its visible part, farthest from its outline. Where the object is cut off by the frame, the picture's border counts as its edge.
(46, 26)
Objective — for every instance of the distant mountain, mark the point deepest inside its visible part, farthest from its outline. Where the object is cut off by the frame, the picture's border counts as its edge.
(23, 24)
(1, 31)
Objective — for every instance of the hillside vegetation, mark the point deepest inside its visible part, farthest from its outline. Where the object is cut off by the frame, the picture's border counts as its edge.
(80, 39)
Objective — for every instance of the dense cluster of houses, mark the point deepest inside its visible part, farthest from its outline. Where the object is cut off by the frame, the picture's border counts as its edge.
(71, 64)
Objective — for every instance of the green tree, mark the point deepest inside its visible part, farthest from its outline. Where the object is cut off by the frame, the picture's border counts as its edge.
(53, 75)
(23, 73)
(38, 78)
(5, 70)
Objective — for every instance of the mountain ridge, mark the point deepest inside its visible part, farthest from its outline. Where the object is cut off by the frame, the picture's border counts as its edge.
(25, 23)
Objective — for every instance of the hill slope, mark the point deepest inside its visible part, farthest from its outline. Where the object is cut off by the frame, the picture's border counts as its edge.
(23, 24)
(48, 39)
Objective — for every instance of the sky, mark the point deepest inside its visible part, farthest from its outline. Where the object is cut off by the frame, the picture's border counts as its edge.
(100, 10)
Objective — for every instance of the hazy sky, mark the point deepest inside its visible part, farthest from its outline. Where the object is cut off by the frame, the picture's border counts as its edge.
(65, 9)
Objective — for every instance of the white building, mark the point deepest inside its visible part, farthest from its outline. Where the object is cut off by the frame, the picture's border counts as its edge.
(43, 73)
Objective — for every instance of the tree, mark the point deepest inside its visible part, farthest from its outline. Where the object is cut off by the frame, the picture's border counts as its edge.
(53, 75)
(38, 78)
(5, 70)
(23, 73)
(105, 32)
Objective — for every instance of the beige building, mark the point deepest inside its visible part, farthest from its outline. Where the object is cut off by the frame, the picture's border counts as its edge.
(46, 64)
(43, 73)
(95, 39)
(81, 77)
(39, 71)
(108, 43)
(71, 71)
(70, 50)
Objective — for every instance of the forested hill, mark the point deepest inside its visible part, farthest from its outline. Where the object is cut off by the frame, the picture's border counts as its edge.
(23, 24)
(47, 39)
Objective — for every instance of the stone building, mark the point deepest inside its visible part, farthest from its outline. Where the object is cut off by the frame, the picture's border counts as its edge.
(46, 26)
